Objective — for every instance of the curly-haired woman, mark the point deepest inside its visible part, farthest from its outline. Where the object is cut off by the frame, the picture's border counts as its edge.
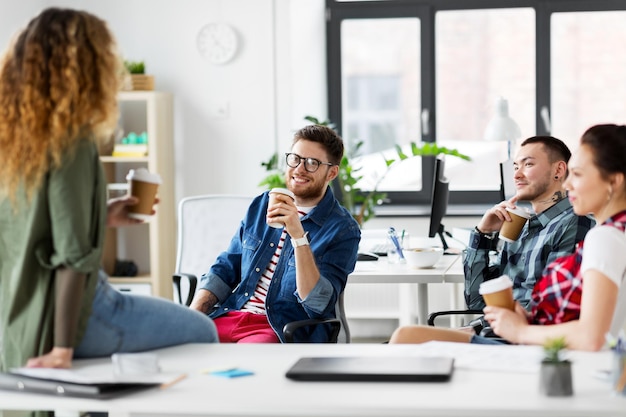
(58, 86)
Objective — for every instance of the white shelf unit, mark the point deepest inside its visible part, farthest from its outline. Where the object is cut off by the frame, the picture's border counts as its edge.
(152, 246)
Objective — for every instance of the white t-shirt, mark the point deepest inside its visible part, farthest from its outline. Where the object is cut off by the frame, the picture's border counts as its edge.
(605, 251)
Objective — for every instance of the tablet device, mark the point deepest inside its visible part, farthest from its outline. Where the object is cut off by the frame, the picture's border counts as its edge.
(373, 368)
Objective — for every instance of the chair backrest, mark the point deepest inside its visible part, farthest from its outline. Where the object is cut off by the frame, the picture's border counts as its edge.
(206, 224)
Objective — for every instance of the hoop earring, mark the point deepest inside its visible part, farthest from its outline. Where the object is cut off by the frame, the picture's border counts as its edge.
(610, 196)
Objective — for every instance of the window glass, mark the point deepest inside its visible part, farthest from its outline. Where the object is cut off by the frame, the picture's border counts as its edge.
(380, 61)
(480, 56)
(587, 65)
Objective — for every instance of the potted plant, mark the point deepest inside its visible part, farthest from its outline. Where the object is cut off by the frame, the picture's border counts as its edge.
(138, 79)
(360, 203)
(555, 372)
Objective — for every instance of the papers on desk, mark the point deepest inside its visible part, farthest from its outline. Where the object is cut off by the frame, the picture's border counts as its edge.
(94, 375)
(505, 358)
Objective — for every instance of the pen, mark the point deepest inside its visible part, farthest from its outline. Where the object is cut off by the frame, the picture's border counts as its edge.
(173, 381)
(394, 240)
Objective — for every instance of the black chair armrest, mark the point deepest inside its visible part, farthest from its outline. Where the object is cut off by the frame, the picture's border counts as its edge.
(193, 284)
(290, 328)
(433, 316)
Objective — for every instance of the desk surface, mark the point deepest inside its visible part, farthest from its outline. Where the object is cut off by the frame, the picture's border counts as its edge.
(269, 393)
(448, 269)
(377, 272)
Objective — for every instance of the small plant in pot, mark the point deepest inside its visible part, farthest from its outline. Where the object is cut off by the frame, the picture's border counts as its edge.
(556, 372)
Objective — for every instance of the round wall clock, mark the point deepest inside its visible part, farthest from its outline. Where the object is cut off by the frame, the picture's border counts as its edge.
(217, 42)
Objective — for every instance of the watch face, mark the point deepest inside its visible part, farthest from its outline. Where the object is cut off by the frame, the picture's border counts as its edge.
(217, 42)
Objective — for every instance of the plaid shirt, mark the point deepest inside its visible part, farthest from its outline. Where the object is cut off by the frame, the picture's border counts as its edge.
(546, 237)
(556, 297)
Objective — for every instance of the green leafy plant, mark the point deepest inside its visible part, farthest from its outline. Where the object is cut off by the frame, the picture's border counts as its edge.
(361, 204)
(553, 350)
(135, 67)
(276, 177)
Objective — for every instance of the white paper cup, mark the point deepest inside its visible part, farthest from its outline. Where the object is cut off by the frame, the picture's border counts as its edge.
(498, 292)
(143, 185)
(273, 193)
(510, 231)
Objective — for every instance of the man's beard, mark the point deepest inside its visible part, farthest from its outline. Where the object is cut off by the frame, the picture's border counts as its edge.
(313, 191)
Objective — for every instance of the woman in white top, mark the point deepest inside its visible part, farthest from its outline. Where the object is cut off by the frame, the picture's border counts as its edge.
(580, 296)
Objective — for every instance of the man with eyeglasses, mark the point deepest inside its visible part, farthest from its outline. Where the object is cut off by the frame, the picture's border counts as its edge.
(269, 277)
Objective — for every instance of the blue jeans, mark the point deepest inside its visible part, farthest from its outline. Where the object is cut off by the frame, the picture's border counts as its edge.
(480, 340)
(122, 322)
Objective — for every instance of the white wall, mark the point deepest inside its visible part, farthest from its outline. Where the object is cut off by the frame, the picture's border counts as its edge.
(277, 77)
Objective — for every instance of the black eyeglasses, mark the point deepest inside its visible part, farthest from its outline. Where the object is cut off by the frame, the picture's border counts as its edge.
(310, 164)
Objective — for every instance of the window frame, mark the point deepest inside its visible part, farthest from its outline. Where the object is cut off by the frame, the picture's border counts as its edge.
(426, 10)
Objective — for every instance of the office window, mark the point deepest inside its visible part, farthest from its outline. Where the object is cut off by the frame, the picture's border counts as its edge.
(381, 81)
(588, 62)
(481, 55)
(431, 70)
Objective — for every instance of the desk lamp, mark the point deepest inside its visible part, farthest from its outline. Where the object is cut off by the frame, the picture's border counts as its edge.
(501, 127)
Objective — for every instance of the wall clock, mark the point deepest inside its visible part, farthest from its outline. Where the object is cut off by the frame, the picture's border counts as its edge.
(217, 42)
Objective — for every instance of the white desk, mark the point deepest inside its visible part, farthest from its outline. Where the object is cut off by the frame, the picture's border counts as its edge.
(269, 393)
(382, 272)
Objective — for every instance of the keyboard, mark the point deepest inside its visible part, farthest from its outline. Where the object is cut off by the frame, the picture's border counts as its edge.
(380, 249)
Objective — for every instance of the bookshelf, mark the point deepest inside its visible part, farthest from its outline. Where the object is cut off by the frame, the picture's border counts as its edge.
(151, 246)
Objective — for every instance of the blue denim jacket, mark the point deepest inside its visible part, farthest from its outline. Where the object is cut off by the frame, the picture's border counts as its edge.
(334, 237)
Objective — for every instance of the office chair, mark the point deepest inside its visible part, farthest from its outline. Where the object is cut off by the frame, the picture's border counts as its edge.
(206, 224)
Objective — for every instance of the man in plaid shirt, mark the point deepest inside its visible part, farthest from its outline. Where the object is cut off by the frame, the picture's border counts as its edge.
(552, 231)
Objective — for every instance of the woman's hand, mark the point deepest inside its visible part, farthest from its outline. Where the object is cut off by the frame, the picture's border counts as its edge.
(117, 211)
(506, 323)
(58, 357)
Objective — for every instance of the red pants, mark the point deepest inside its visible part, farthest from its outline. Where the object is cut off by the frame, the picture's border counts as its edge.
(244, 327)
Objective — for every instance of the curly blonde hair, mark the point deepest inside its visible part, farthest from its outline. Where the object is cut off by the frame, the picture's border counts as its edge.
(58, 85)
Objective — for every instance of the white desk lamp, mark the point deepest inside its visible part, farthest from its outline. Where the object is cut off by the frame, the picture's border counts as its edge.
(501, 127)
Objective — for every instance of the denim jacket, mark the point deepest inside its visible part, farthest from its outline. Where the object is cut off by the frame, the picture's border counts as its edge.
(334, 238)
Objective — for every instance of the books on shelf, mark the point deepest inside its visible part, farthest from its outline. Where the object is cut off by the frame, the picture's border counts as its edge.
(134, 150)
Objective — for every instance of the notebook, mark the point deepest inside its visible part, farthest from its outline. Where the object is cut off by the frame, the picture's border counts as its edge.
(15, 382)
(373, 368)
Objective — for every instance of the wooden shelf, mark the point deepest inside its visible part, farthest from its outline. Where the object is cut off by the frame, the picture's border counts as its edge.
(122, 159)
(140, 279)
(152, 245)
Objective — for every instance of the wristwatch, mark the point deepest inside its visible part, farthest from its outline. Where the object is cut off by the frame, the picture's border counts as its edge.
(490, 235)
(303, 241)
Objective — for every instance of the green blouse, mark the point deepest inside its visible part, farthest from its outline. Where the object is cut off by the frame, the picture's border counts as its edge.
(63, 224)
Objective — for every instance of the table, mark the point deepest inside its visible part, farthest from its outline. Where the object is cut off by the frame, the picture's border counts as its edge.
(470, 393)
(382, 272)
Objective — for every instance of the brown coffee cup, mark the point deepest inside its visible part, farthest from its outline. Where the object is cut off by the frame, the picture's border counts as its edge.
(510, 231)
(273, 193)
(143, 185)
(498, 292)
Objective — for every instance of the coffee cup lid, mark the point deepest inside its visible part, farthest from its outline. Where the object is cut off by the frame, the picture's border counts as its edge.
(494, 285)
(520, 211)
(282, 191)
(142, 174)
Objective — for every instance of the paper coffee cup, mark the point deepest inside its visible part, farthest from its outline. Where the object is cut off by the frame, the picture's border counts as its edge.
(498, 292)
(510, 231)
(273, 193)
(143, 185)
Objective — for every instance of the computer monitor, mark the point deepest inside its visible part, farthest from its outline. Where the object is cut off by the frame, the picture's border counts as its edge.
(439, 202)
(507, 180)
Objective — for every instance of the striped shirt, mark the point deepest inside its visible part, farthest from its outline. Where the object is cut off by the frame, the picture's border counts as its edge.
(256, 303)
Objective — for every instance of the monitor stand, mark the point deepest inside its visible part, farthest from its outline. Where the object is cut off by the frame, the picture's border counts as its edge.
(447, 250)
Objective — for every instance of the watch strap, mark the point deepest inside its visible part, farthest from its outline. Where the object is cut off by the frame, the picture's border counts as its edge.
(303, 241)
